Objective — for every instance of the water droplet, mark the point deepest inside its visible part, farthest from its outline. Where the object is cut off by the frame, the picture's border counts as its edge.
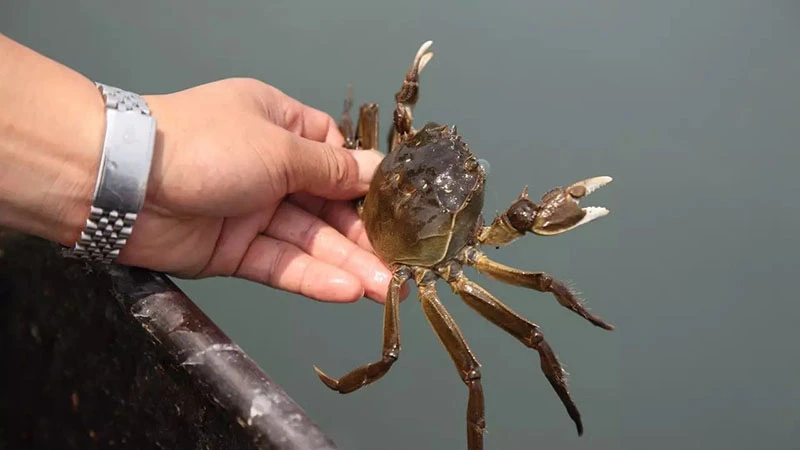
(486, 166)
(445, 182)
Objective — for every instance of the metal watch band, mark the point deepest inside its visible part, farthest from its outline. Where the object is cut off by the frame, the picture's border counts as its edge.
(122, 178)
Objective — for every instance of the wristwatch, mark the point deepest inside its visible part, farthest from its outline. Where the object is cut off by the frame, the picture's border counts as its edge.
(122, 177)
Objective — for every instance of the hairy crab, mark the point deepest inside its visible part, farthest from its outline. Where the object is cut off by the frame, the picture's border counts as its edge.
(423, 217)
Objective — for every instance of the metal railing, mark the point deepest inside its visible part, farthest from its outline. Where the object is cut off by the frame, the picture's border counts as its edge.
(117, 357)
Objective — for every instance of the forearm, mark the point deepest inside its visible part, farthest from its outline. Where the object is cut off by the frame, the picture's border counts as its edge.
(51, 137)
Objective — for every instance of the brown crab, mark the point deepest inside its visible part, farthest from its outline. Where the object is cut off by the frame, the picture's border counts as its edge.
(423, 216)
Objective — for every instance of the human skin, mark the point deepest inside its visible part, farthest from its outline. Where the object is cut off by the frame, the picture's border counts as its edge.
(245, 182)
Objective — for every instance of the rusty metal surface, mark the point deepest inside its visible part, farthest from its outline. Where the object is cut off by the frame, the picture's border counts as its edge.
(118, 357)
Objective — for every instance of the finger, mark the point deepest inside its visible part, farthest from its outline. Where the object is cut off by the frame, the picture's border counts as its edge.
(319, 126)
(325, 170)
(345, 219)
(301, 119)
(340, 214)
(235, 237)
(283, 266)
(320, 240)
(311, 203)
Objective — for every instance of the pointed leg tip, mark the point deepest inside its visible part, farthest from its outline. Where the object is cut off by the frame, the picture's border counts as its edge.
(330, 382)
(600, 323)
(559, 385)
(576, 417)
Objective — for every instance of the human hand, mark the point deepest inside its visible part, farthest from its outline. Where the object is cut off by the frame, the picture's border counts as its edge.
(250, 183)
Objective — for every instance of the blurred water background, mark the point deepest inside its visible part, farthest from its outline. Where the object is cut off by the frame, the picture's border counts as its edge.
(692, 106)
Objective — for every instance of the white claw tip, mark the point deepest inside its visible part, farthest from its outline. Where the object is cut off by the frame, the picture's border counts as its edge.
(592, 184)
(422, 57)
(592, 213)
(423, 48)
(424, 61)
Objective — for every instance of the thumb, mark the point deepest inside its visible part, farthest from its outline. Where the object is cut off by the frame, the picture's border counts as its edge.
(329, 171)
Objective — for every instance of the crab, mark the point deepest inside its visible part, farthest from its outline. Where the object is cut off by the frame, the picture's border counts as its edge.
(423, 217)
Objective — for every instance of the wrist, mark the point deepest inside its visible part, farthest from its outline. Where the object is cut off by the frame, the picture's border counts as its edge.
(51, 137)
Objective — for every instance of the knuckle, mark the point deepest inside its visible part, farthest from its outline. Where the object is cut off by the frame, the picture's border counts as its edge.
(243, 85)
(340, 170)
(250, 83)
(275, 265)
(249, 86)
(308, 235)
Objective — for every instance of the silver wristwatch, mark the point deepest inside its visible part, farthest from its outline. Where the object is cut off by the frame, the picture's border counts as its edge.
(122, 177)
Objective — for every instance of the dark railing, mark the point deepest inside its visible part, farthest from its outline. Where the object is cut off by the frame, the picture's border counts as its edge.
(115, 357)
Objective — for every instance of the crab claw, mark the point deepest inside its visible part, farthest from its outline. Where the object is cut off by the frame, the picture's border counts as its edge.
(560, 210)
(409, 92)
(422, 57)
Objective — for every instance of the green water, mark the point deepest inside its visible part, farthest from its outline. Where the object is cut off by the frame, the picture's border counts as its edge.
(692, 106)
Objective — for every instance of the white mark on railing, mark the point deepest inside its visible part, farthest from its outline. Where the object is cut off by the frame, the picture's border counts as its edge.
(200, 356)
(259, 406)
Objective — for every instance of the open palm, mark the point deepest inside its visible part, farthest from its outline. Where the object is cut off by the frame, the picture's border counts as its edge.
(248, 182)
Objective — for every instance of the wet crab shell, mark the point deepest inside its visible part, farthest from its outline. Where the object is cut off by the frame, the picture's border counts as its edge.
(425, 200)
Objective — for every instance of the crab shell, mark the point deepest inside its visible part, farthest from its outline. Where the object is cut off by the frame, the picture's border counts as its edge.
(426, 198)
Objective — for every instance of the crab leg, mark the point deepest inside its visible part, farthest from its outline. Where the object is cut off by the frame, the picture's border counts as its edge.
(368, 125)
(369, 373)
(468, 367)
(526, 332)
(346, 122)
(408, 95)
(539, 281)
(365, 135)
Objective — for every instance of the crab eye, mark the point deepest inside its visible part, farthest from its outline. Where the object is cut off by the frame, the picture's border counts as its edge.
(470, 164)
